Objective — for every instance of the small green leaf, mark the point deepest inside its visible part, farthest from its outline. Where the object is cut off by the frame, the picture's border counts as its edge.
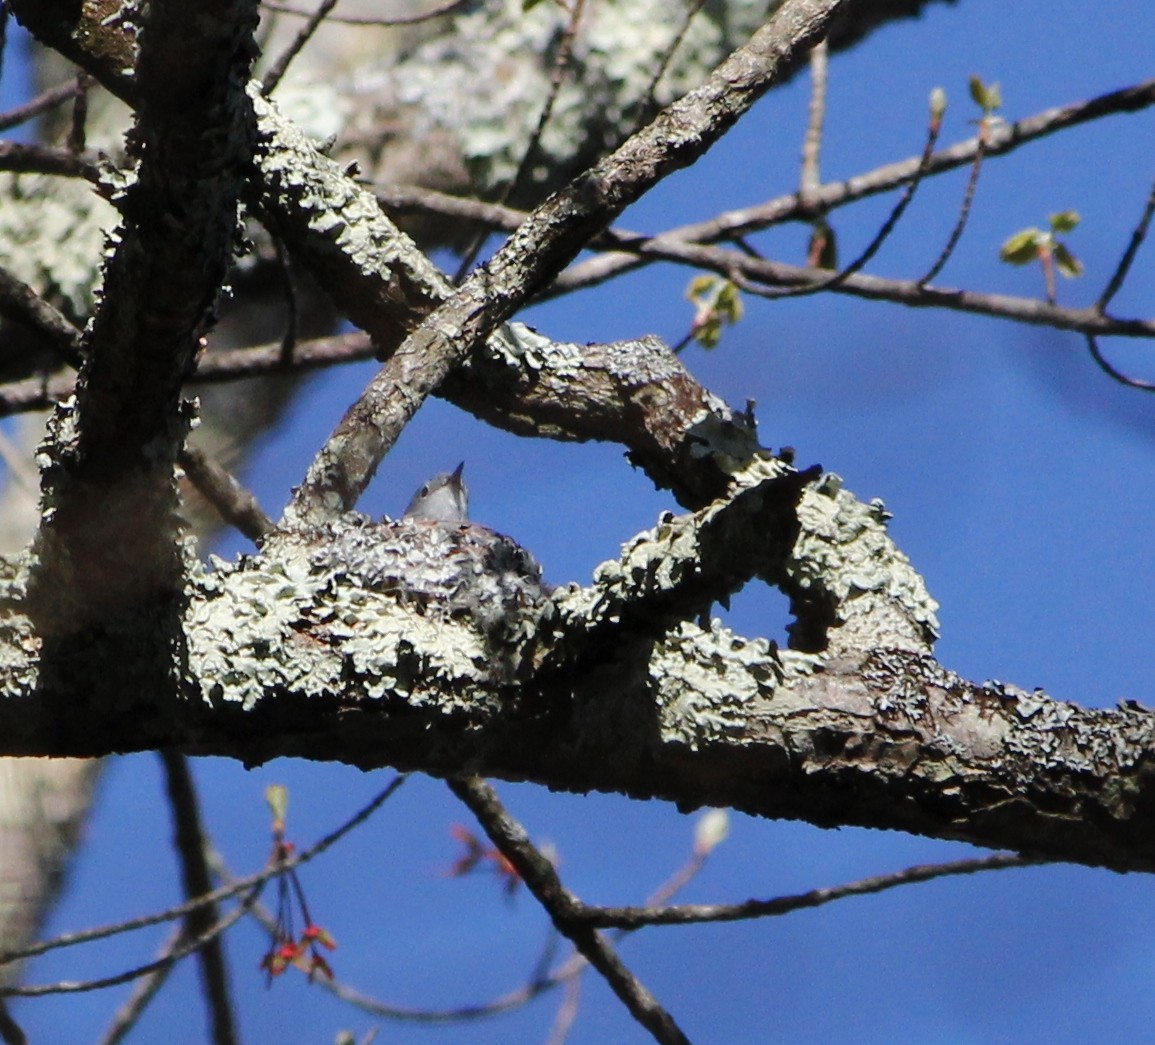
(1064, 221)
(1023, 247)
(1066, 262)
(700, 286)
(709, 332)
(717, 302)
(277, 795)
(729, 303)
(988, 98)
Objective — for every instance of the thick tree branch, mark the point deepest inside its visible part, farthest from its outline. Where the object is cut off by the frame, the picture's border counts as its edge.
(294, 652)
(109, 540)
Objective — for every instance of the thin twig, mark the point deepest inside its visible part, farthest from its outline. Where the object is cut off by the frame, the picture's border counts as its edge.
(281, 66)
(145, 989)
(223, 893)
(19, 301)
(558, 67)
(197, 882)
(414, 19)
(21, 158)
(567, 1011)
(292, 306)
(881, 236)
(763, 278)
(650, 95)
(1003, 140)
(1112, 372)
(964, 209)
(630, 918)
(78, 129)
(236, 505)
(43, 102)
(811, 176)
(189, 946)
(537, 984)
(542, 880)
(1124, 266)
(673, 246)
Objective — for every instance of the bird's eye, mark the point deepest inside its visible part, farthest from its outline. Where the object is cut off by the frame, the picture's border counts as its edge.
(424, 491)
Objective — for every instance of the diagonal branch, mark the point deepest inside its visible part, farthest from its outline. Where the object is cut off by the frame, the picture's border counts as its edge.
(542, 880)
(541, 247)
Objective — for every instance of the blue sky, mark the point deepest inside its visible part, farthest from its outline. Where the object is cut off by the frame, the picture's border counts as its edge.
(1020, 481)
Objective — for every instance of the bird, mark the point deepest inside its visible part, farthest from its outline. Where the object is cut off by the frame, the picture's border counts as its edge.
(444, 499)
(435, 559)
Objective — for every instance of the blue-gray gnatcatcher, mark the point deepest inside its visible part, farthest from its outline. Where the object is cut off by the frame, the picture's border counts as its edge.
(443, 499)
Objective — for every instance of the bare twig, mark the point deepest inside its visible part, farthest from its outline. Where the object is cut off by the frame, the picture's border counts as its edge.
(189, 946)
(811, 177)
(19, 301)
(671, 246)
(1003, 139)
(414, 19)
(1112, 372)
(1125, 262)
(77, 131)
(281, 66)
(48, 159)
(542, 880)
(146, 988)
(762, 277)
(557, 71)
(663, 63)
(567, 1011)
(197, 882)
(292, 307)
(236, 505)
(223, 893)
(630, 918)
(43, 102)
(883, 233)
(964, 208)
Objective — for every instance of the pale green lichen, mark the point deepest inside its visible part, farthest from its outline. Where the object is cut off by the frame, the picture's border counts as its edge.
(52, 233)
(845, 553)
(279, 625)
(486, 78)
(710, 683)
(19, 644)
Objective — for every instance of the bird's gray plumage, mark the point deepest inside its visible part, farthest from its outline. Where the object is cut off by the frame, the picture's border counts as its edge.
(444, 499)
(434, 560)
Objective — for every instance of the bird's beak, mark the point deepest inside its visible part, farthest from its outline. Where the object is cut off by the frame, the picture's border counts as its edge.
(455, 475)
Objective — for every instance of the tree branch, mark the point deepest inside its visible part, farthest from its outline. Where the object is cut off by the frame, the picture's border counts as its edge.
(542, 880)
(869, 729)
(544, 244)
